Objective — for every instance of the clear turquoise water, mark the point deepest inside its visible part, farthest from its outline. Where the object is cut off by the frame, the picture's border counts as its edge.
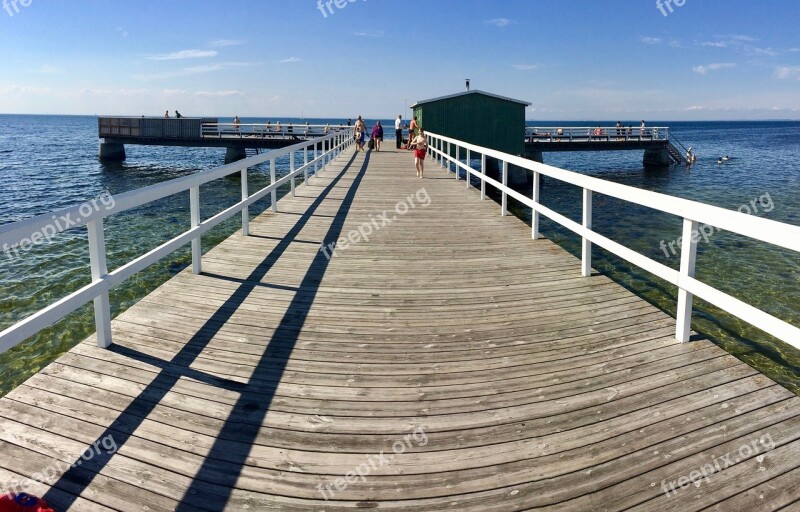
(49, 162)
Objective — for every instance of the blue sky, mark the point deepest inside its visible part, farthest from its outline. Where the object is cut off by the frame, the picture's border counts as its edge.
(574, 60)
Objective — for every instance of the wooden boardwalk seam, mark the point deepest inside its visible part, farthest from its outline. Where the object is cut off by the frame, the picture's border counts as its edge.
(448, 362)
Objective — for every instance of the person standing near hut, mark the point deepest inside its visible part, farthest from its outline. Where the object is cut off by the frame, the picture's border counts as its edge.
(398, 131)
(412, 131)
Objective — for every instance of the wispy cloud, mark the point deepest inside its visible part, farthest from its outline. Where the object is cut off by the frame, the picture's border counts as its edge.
(675, 44)
(185, 54)
(740, 43)
(650, 40)
(373, 33)
(192, 70)
(220, 43)
(703, 70)
(525, 67)
(787, 72)
(715, 44)
(46, 69)
(291, 60)
(219, 94)
(121, 31)
(499, 22)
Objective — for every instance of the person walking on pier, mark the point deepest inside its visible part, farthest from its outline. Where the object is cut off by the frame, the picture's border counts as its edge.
(398, 131)
(420, 145)
(166, 114)
(377, 135)
(359, 133)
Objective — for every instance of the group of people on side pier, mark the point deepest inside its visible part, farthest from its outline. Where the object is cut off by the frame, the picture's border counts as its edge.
(416, 139)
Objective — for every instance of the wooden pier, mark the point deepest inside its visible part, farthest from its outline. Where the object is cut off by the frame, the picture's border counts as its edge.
(659, 145)
(204, 132)
(447, 363)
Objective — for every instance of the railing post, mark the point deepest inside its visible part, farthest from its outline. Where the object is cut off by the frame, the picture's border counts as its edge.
(504, 205)
(440, 147)
(194, 213)
(534, 213)
(586, 260)
(274, 193)
(291, 171)
(305, 165)
(688, 259)
(448, 156)
(457, 156)
(102, 303)
(483, 172)
(246, 209)
(468, 166)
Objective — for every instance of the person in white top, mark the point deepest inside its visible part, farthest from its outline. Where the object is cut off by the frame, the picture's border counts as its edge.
(398, 131)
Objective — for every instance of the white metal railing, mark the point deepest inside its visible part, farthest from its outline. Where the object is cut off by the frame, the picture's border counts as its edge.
(321, 150)
(269, 130)
(448, 150)
(595, 133)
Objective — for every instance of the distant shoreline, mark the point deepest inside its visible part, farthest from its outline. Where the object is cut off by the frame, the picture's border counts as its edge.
(527, 121)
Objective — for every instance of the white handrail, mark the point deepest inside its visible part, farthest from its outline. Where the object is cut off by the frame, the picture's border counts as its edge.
(269, 130)
(103, 281)
(594, 133)
(692, 212)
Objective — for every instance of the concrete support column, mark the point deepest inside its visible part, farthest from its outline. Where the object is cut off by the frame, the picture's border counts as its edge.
(233, 154)
(112, 151)
(656, 157)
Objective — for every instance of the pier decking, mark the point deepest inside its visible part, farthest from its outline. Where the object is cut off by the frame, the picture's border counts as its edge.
(448, 362)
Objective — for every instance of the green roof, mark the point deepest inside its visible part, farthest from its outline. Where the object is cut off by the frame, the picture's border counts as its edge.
(527, 104)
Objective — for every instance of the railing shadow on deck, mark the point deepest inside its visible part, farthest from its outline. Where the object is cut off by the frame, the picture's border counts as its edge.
(214, 482)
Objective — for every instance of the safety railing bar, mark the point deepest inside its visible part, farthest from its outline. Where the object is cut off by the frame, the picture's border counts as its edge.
(51, 314)
(686, 283)
(758, 228)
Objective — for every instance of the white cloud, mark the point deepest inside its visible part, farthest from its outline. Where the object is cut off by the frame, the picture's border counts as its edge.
(219, 94)
(787, 72)
(703, 70)
(374, 33)
(650, 40)
(47, 69)
(675, 44)
(499, 22)
(525, 67)
(185, 54)
(291, 60)
(715, 44)
(219, 43)
(121, 31)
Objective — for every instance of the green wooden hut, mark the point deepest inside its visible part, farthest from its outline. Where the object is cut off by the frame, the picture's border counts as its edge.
(478, 117)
